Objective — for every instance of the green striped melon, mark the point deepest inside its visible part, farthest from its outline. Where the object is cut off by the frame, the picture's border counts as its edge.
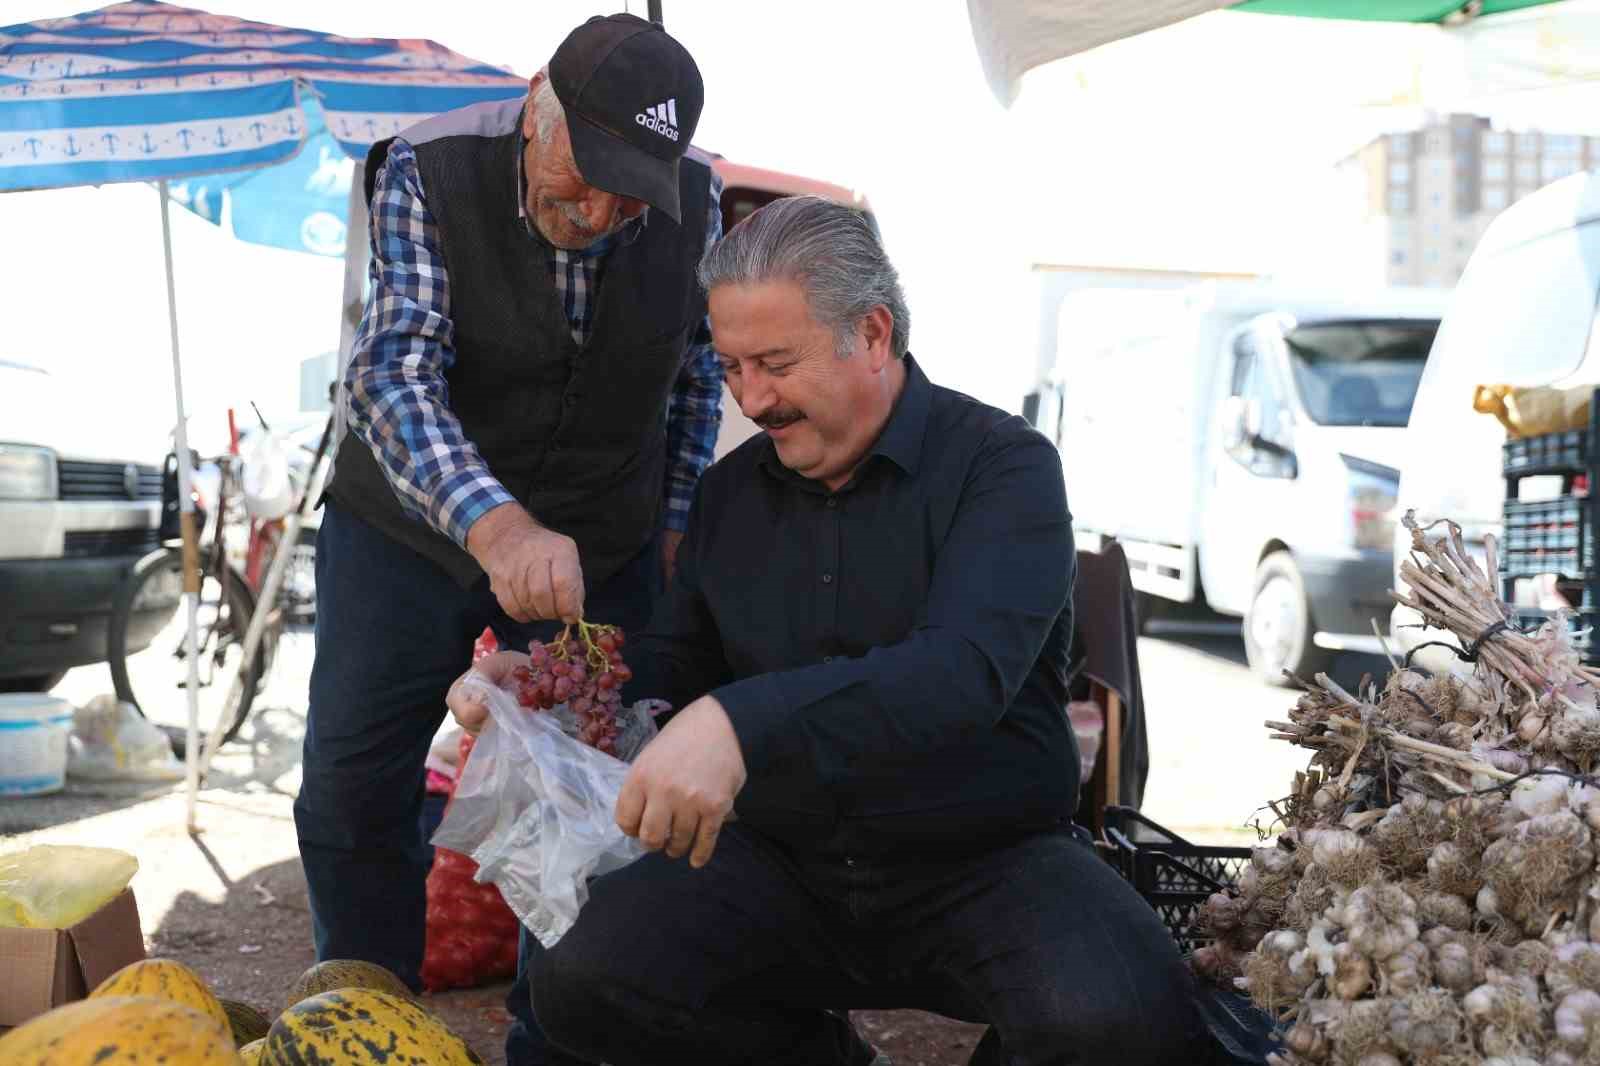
(245, 1022)
(335, 974)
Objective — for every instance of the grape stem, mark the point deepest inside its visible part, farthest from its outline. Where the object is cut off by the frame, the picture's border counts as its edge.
(589, 633)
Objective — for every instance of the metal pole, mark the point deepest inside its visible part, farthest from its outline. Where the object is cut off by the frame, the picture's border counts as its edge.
(191, 545)
(267, 601)
(655, 13)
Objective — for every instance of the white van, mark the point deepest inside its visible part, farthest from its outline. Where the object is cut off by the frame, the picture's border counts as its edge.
(1524, 313)
(76, 511)
(1241, 441)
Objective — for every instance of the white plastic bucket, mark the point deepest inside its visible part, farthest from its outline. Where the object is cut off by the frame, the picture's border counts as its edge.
(34, 729)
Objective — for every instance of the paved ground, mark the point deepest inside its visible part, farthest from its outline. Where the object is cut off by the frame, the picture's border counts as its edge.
(230, 900)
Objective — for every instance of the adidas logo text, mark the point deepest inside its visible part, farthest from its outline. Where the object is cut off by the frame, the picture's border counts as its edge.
(662, 118)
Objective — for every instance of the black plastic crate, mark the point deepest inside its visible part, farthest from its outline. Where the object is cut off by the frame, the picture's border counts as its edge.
(1547, 453)
(1554, 536)
(1173, 875)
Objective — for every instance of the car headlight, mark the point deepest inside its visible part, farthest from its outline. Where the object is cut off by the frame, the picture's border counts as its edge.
(27, 473)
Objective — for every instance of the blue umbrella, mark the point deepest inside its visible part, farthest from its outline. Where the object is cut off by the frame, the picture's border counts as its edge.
(258, 117)
(147, 91)
(299, 204)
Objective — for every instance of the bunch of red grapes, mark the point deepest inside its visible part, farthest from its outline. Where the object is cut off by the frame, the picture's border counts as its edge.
(585, 672)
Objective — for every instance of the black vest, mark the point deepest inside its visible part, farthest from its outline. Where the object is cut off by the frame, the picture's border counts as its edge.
(577, 434)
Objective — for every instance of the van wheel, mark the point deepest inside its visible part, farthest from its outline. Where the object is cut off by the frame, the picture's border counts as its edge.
(1278, 629)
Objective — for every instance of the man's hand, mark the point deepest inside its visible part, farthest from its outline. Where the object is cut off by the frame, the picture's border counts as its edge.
(470, 709)
(533, 571)
(682, 786)
(670, 539)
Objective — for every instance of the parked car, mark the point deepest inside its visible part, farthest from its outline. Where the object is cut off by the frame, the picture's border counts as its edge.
(1523, 313)
(1240, 441)
(77, 510)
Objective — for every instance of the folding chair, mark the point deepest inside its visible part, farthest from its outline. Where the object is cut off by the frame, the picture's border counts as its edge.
(1107, 638)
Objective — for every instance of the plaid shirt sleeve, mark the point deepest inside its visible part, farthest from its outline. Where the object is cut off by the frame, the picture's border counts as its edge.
(398, 399)
(694, 410)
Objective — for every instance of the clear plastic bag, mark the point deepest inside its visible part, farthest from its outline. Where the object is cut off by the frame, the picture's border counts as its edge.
(57, 886)
(112, 741)
(535, 808)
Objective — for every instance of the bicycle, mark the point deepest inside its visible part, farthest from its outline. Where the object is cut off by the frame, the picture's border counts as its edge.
(146, 642)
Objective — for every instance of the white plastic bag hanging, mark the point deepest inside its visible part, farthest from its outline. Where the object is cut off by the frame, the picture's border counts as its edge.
(535, 808)
(264, 479)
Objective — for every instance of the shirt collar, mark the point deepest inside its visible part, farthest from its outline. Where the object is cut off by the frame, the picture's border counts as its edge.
(626, 235)
(902, 436)
(901, 439)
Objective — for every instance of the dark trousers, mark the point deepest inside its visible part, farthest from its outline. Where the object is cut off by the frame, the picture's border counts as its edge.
(393, 630)
(756, 957)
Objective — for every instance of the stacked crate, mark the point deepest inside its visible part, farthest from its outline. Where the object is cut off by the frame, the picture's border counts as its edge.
(1555, 535)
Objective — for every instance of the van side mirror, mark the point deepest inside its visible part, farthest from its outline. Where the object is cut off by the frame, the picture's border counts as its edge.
(1240, 418)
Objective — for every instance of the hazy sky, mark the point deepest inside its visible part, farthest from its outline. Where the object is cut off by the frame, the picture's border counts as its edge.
(1206, 145)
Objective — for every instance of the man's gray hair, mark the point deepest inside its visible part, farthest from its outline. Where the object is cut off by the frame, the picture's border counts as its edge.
(547, 109)
(829, 249)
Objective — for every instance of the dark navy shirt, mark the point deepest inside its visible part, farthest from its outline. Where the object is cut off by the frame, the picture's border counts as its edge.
(893, 655)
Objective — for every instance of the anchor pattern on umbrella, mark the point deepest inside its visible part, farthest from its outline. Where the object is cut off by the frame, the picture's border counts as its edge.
(142, 90)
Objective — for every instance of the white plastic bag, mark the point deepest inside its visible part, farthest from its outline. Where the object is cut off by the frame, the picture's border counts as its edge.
(264, 480)
(112, 741)
(536, 808)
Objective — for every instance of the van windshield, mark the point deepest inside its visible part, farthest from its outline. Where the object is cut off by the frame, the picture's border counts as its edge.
(1359, 373)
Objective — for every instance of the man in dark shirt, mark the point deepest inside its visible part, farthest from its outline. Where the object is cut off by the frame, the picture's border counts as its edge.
(867, 637)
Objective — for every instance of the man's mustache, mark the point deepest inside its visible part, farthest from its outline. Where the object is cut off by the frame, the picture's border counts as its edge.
(778, 419)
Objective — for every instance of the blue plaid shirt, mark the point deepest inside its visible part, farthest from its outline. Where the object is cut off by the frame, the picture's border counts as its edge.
(399, 402)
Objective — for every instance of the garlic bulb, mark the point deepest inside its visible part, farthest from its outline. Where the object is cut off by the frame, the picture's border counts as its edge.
(1381, 919)
(1577, 1015)
(1352, 972)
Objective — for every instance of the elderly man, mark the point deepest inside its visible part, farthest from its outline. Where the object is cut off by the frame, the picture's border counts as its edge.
(867, 637)
(531, 401)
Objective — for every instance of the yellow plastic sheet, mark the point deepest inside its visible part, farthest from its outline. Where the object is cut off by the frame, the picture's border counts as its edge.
(55, 887)
(1529, 412)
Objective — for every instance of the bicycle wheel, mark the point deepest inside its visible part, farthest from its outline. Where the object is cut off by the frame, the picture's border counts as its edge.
(148, 651)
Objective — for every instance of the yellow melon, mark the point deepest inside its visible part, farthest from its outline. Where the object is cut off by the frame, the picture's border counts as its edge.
(250, 1053)
(120, 1031)
(363, 1027)
(164, 979)
(335, 974)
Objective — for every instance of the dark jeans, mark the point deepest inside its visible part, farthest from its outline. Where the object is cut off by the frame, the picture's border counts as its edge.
(756, 957)
(393, 630)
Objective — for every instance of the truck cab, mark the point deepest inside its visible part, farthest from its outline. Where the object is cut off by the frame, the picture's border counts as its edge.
(1239, 440)
(77, 510)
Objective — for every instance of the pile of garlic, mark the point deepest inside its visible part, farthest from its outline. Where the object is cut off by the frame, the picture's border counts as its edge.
(1434, 898)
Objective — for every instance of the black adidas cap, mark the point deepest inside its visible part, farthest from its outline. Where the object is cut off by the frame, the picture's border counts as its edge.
(632, 96)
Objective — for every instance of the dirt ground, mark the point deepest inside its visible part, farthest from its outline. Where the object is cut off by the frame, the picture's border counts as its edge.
(230, 900)
(257, 941)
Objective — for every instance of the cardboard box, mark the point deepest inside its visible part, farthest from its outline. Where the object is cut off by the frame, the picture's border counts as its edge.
(44, 968)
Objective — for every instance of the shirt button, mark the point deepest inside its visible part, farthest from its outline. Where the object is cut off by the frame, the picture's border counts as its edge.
(833, 501)
(827, 577)
(827, 658)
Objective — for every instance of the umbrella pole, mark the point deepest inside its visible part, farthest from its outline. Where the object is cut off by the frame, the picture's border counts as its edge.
(191, 545)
